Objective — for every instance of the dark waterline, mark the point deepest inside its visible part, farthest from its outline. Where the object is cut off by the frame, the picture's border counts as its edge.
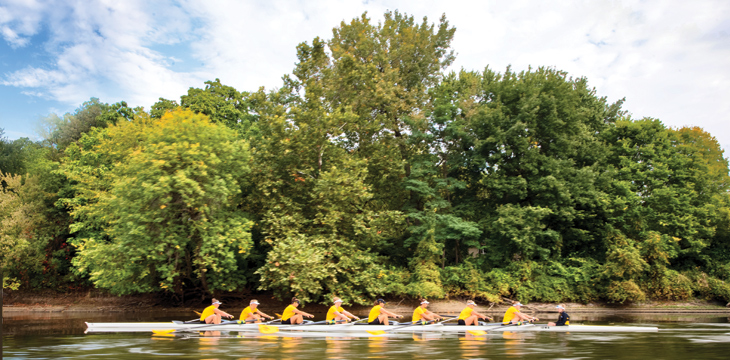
(61, 336)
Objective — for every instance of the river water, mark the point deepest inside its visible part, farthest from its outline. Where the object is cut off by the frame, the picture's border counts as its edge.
(61, 336)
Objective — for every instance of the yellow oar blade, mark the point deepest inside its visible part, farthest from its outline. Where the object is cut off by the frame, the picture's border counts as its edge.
(477, 332)
(165, 335)
(162, 332)
(267, 329)
(376, 332)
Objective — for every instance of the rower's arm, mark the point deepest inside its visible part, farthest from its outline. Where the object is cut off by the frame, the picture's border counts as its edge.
(525, 317)
(350, 315)
(480, 316)
(429, 316)
(222, 313)
(297, 311)
(386, 312)
(434, 315)
(262, 314)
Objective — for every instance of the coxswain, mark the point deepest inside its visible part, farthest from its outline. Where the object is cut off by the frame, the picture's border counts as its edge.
(213, 315)
(470, 317)
(378, 314)
(292, 315)
(514, 316)
(421, 314)
(252, 313)
(563, 318)
(337, 314)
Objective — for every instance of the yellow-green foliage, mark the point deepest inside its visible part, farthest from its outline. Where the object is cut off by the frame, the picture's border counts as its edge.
(465, 280)
(624, 291)
(669, 285)
(21, 222)
(156, 205)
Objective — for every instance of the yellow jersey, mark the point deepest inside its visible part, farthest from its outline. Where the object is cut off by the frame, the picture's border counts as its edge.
(288, 312)
(465, 313)
(374, 313)
(331, 312)
(417, 314)
(245, 313)
(210, 310)
(509, 315)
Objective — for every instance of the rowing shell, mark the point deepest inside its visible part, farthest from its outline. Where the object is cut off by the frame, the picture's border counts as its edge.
(442, 328)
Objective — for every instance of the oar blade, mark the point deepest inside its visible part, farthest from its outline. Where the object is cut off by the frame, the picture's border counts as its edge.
(376, 332)
(162, 332)
(477, 332)
(268, 329)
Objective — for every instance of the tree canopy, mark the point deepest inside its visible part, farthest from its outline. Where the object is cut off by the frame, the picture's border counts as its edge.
(372, 172)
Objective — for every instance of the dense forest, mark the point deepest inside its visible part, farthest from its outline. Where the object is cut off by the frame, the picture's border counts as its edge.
(371, 172)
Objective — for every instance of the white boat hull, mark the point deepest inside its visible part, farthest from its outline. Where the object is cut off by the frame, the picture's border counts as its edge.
(439, 328)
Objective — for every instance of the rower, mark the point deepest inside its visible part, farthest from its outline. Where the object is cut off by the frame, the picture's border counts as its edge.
(378, 314)
(213, 315)
(514, 316)
(470, 317)
(292, 315)
(337, 314)
(252, 314)
(420, 314)
(563, 318)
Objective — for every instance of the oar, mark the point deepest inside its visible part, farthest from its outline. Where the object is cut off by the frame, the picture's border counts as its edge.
(270, 329)
(165, 332)
(381, 332)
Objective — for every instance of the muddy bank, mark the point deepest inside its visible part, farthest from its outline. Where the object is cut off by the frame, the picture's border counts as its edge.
(94, 300)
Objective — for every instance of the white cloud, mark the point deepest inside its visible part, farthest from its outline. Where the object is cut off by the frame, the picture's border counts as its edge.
(20, 19)
(102, 49)
(668, 58)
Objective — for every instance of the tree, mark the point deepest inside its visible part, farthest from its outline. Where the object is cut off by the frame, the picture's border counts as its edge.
(156, 205)
(21, 215)
(161, 107)
(223, 104)
(14, 154)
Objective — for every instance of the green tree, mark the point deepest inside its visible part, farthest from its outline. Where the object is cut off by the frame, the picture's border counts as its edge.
(161, 107)
(222, 103)
(21, 216)
(156, 205)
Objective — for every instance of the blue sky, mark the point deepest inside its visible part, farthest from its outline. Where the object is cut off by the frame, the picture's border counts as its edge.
(668, 58)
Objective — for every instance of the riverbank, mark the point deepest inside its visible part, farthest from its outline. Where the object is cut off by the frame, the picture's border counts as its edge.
(95, 300)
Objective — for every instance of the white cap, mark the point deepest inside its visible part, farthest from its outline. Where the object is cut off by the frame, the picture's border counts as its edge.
(337, 300)
(518, 304)
(470, 302)
(559, 307)
(217, 302)
(424, 302)
(255, 302)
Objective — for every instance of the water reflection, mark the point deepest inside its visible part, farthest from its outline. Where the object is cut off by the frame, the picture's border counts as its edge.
(336, 348)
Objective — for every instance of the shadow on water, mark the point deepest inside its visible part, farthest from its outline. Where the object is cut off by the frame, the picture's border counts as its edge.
(61, 336)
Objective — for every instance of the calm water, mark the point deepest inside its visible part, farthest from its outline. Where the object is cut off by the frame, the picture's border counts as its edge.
(61, 336)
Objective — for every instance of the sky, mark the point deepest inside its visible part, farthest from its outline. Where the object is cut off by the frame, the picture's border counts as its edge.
(669, 59)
